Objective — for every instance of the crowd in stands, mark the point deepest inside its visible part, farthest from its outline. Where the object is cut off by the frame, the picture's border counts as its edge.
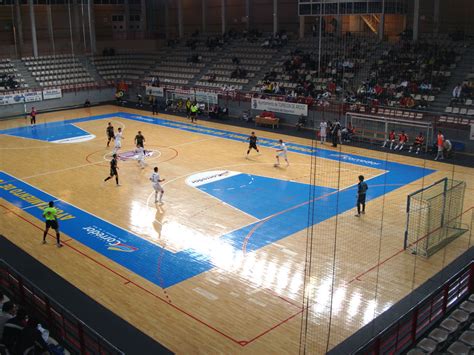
(21, 333)
(406, 75)
(8, 82)
(276, 41)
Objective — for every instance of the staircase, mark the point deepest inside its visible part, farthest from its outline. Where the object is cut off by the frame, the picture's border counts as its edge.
(372, 21)
(90, 67)
(464, 66)
(25, 73)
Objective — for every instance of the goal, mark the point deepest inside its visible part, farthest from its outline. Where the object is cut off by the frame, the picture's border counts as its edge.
(434, 216)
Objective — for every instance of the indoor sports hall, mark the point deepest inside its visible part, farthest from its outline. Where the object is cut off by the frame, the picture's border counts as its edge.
(236, 177)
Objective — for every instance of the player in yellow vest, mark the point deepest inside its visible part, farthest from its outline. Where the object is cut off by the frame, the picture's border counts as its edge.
(50, 214)
(194, 112)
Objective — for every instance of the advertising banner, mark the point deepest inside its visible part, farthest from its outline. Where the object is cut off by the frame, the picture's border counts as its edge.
(280, 106)
(33, 96)
(49, 94)
(154, 91)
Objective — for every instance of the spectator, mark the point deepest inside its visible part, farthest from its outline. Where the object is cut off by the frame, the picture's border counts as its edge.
(457, 91)
(31, 337)
(9, 310)
(12, 329)
(87, 103)
(3, 299)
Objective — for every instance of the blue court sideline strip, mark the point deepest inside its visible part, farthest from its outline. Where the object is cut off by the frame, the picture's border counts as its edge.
(145, 259)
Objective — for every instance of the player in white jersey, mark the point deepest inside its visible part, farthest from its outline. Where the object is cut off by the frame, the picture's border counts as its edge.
(118, 140)
(155, 180)
(281, 152)
(140, 156)
(322, 131)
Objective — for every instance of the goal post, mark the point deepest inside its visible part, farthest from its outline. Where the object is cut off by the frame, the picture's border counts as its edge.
(434, 216)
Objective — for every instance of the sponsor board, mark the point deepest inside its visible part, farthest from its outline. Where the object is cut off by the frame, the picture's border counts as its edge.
(49, 94)
(20, 98)
(154, 91)
(199, 96)
(33, 96)
(290, 108)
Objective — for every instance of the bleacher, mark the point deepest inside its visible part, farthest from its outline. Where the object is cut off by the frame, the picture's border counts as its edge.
(59, 71)
(411, 75)
(127, 67)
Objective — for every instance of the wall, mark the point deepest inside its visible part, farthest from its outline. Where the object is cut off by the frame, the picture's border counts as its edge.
(68, 99)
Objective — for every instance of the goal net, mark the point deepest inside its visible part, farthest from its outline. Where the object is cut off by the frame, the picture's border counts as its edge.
(434, 216)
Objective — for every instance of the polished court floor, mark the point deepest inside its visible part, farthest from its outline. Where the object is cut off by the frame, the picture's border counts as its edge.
(219, 266)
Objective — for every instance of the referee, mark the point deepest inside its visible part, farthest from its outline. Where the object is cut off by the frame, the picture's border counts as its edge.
(50, 214)
(361, 193)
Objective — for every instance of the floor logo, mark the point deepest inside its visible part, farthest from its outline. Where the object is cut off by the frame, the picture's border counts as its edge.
(135, 155)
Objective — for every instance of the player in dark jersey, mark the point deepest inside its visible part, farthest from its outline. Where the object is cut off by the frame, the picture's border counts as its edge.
(252, 143)
(110, 133)
(113, 170)
(139, 139)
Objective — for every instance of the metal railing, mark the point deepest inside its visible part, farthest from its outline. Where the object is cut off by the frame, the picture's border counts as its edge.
(66, 328)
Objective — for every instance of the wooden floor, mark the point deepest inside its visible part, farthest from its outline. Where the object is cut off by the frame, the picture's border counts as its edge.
(250, 302)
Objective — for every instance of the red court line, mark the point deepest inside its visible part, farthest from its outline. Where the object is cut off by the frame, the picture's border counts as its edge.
(128, 281)
(402, 250)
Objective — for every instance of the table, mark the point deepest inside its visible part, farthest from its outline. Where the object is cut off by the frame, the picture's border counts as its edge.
(267, 121)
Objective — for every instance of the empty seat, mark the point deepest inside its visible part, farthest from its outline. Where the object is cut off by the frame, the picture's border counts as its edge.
(450, 325)
(428, 345)
(460, 316)
(458, 348)
(467, 307)
(468, 338)
(416, 351)
(439, 335)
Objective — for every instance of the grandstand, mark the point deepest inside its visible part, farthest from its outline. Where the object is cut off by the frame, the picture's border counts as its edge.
(245, 255)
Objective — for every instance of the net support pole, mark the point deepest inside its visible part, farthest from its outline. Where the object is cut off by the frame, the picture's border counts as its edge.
(405, 242)
(445, 191)
(91, 18)
(49, 16)
(19, 26)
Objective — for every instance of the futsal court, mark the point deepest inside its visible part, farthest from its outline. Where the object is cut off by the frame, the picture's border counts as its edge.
(221, 263)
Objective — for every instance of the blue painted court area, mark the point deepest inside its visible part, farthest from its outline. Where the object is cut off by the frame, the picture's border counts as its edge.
(281, 206)
(261, 196)
(53, 131)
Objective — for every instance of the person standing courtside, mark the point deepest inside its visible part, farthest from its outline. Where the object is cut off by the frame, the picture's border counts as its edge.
(323, 131)
(361, 193)
(50, 214)
(440, 145)
(113, 170)
(252, 143)
(110, 133)
(33, 114)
